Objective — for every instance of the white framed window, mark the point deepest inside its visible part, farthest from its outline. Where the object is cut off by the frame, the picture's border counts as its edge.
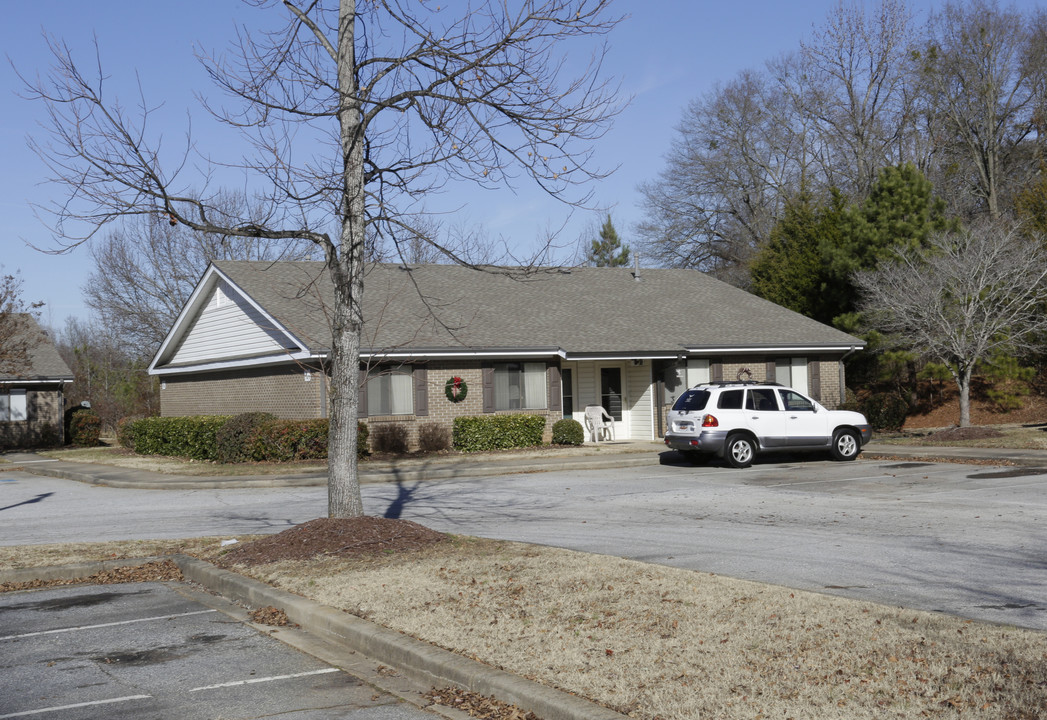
(520, 386)
(792, 372)
(13, 406)
(697, 371)
(390, 393)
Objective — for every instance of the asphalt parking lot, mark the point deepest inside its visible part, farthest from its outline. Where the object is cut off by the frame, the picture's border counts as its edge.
(150, 650)
(965, 539)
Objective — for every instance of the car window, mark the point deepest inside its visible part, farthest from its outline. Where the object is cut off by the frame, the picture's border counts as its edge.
(795, 401)
(692, 401)
(730, 400)
(761, 399)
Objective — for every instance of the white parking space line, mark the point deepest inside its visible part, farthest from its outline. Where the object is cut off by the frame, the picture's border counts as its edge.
(272, 678)
(102, 625)
(28, 462)
(56, 708)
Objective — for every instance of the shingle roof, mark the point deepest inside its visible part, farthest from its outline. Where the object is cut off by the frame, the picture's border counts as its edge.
(578, 310)
(44, 361)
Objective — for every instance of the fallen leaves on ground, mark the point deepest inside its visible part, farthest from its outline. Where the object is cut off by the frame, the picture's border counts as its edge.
(156, 571)
(270, 615)
(335, 537)
(478, 706)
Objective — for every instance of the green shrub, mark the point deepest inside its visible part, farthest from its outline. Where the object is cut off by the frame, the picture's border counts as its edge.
(497, 432)
(125, 431)
(568, 432)
(236, 433)
(288, 440)
(885, 411)
(85, 428)
(433, 437)
(190, 437)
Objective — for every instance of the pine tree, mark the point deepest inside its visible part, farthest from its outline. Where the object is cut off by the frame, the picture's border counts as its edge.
(607, 250)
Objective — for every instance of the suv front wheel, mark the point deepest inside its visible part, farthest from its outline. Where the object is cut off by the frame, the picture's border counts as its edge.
(846, 445)
(740, 451)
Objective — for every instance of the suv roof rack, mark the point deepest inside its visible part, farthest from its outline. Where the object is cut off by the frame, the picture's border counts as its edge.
(729, 383)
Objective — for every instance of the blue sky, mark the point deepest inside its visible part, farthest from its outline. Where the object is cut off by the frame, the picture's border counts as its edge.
(664, 54)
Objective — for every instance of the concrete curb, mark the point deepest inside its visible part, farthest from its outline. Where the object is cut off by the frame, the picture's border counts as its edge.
(426, 663)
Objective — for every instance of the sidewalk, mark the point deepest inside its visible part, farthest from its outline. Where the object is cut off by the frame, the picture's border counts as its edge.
(604, 456)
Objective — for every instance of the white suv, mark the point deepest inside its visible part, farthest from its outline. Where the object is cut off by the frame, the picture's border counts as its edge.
(737, 420)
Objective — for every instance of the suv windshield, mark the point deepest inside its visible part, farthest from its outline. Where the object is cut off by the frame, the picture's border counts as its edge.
(691, 401)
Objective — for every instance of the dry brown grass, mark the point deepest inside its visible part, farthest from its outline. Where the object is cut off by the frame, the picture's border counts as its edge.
(119, 457)
(14, 557)
(1009, 436)
(657, 642)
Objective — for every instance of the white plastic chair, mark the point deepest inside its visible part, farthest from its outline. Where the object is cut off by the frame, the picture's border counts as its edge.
(599, 423)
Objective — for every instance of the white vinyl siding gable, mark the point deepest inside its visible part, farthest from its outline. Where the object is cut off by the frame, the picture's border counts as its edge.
(229, 327)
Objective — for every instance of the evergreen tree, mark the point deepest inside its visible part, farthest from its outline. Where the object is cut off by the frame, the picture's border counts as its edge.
(901, 212)
(813, 252)
(607, 250)
(790, 270)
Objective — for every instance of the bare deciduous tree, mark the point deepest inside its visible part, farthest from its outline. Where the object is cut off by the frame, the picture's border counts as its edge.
(984, 70)
(17, 331)
(357, 110)
(145, 270)
(735, 157)
(857, 68)
(965, 297)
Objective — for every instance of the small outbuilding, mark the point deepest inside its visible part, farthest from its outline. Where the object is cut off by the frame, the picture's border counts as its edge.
(32, 388)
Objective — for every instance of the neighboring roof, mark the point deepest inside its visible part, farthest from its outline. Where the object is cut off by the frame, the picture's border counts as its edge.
(429, 310)
(45, 364)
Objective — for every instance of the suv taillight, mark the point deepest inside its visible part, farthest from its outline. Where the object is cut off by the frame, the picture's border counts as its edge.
(710, 421)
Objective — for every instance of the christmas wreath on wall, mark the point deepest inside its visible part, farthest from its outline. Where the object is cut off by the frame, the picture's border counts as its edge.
(455, 389)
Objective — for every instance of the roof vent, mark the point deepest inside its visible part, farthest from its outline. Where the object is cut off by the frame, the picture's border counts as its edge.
(636, 267)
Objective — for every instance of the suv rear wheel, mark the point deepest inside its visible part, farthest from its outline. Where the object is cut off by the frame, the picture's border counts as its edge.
(740, 451)
(846, 445)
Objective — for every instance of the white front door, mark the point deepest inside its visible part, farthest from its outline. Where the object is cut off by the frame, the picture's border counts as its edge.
(612, 388)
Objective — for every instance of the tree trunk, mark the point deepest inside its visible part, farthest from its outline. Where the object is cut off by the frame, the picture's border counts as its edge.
(346, 265)
(963, 383)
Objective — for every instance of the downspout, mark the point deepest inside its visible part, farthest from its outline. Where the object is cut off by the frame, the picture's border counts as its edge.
(843, 386)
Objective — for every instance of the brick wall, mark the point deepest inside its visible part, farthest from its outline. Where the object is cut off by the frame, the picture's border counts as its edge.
(281, 390)
(443, 412)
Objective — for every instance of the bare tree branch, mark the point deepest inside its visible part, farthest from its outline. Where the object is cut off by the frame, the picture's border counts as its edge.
(355, 111)
(968, 296)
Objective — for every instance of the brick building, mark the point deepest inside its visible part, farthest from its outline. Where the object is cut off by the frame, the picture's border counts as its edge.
(32, 399)
(255, 336)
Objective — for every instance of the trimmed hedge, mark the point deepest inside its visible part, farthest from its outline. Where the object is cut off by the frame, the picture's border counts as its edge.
(568, 432)
(191, 437)
(235, 434)
(287, 440)
(210, 437)
(497, 432)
